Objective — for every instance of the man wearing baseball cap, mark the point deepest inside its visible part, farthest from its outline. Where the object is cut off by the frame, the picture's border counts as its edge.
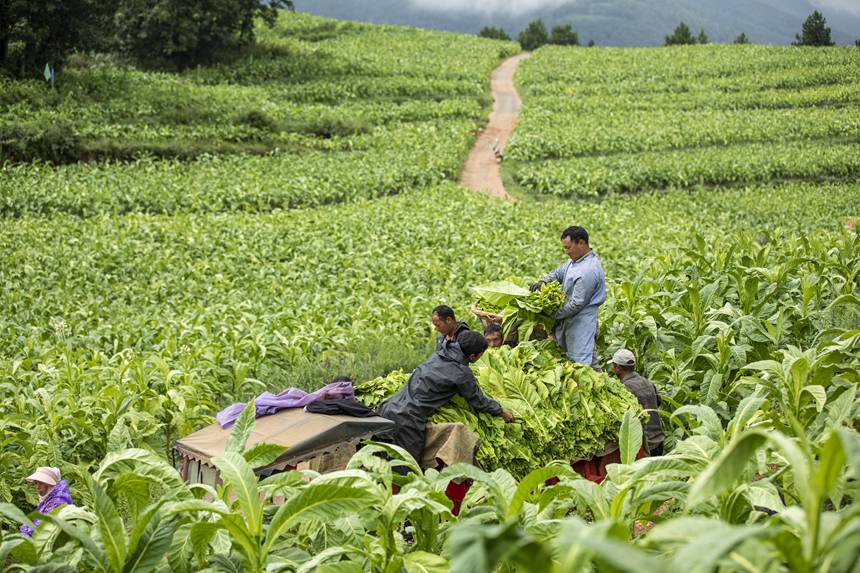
(53, 492)
(624, 364)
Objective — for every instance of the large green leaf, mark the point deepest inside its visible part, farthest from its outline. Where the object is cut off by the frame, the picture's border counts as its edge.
(323, 557)
(585, 491)
(831, 461)
(500, 292)
(630, 437)
(533, 481)
(700, 543)
(317, 502)
(152, 547)
(10, 511)
(20, 547)
(97, 555)
(746, 411)
(263, 454)
(424, 562)
(144, 463)
(239, 476)
(110, 526)
(580, 544)
(398, 507)
(476, 548)
(242, 428)
(724, 472)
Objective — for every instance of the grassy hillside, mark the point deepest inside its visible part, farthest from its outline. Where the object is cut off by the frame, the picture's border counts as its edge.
(614, 120)
(327, 109)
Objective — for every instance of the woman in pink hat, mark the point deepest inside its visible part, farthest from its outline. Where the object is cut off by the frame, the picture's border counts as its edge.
(53, 492)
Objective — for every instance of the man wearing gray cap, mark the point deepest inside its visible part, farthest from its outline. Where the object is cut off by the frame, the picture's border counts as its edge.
(623, 363)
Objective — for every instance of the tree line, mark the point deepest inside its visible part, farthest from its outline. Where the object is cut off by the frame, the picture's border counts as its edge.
(536, 35)
(172, 34)
(814, 32)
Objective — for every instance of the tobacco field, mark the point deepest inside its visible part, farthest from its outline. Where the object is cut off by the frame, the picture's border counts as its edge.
(615, 121)
(286, 219)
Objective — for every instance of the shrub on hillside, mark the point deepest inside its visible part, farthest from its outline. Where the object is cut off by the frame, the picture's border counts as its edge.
(534, 36)
(680, 36)
(56, 142)
(186, 33)
(815, 32)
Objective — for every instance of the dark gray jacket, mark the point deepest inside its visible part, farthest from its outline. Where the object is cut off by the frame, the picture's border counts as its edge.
(646, 393)
(431, 386)
(461, 326)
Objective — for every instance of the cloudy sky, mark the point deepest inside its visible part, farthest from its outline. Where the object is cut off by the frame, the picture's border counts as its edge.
(850, 6)
(521, 6)
(490, 6)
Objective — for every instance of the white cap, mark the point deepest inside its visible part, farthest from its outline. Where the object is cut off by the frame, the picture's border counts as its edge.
(46, 475)
(623, 357)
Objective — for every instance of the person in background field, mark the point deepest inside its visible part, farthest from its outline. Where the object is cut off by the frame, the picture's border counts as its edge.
(624, 363)
(432, 385)
(449, 328)
(493, 335)
(53, 492)
(584, 285)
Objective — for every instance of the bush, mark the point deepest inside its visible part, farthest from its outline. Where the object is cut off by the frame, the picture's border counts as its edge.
(815, 32)
(183, 34)
(680, 36)
(256, 119)
(564, 36)
(534, 36)
(56, 142)
(327, 126)
(494, 33)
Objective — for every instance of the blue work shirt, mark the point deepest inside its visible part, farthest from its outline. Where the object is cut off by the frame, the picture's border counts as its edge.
(584, 285)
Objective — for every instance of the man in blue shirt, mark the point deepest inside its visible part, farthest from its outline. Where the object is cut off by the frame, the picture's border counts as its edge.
(584, 284)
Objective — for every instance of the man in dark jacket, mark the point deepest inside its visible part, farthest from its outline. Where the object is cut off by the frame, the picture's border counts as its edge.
(623, 363)
(432, 385)
(449, 328)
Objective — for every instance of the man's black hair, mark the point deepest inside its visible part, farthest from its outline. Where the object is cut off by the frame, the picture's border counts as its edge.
(443, 311)
(471, 342)
(491, 328)
(576, 234)
(341, 379)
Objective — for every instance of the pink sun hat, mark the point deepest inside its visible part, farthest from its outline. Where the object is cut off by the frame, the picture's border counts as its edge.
(46, 475)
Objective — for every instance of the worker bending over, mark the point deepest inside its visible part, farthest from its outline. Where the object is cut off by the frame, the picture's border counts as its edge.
(584, 285)
(432, 385)
(624, 363)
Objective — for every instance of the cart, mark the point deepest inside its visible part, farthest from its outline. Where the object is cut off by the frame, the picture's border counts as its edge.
(316, 441)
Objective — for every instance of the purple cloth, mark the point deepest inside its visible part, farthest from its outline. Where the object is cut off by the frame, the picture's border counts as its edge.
(268, 403)
(58, 496)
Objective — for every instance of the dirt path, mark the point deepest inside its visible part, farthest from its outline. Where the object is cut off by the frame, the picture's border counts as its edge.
(481, 172)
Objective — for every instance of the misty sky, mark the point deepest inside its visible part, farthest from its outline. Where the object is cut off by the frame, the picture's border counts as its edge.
(515, 7)
(850, 6)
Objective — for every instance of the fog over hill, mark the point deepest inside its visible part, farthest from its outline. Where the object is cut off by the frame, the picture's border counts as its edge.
(607, 22)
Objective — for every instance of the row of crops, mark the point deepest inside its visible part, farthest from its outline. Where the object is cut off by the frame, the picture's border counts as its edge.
(652, 119)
